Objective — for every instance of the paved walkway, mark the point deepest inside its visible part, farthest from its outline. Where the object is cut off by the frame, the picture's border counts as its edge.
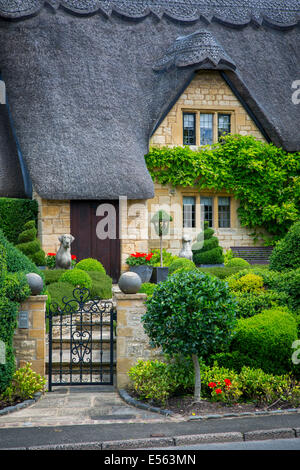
(79, 405)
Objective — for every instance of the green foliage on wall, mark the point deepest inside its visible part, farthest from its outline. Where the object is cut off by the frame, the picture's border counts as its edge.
(264, 178)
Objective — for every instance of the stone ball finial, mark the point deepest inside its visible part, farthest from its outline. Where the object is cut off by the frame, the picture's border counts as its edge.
(35, 282)
(130, 283)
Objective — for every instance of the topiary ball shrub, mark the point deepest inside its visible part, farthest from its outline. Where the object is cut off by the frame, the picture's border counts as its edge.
(76, 277)
(181, 263)
(249, 283)
(207, 251)
(267, 338)
(238, 262)
(286, 254)
(90, 264)
(192, 314)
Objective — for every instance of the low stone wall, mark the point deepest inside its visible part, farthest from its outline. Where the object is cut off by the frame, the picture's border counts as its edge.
(30, 337)
(132, 341)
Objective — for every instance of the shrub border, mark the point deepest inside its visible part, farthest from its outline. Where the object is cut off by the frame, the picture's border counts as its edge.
(144, 406)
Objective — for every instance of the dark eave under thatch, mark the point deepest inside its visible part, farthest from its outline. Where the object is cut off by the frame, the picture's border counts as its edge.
(88, 81)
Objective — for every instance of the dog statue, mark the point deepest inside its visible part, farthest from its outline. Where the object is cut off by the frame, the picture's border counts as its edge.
(63, 256)
(186, 251)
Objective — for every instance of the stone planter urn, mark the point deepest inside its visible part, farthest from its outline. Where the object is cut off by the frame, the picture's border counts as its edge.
(144, 271)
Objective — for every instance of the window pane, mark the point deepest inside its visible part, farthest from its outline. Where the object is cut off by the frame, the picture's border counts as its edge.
(206, 129)
(224, 125)
(207, 210)
(189, 134)
(224, 212)
(189, 212)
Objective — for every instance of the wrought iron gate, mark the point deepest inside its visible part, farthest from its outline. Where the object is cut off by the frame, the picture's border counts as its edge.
(81, 341)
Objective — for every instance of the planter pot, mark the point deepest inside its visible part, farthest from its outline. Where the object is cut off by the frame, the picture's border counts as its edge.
(144, 271)
(159, 275)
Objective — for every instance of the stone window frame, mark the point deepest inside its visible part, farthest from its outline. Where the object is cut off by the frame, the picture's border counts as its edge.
(215, 196)
(215, 111)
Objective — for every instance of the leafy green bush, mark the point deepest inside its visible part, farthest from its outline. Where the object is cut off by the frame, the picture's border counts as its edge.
(16, 260)
(168, 258)
(16, 287)
(8, 315)
(234, 360)
(249, 283)
(147, 288)
(60, 293)
(25, 383)
(238, 262)
(289, 284)
(220, 272)
(181, 263)
(267, 338)
(286, 254)
(90, 264)
(14, 213)
(213, 256)
(252, 303)
(30, 245)
(192, 314)
(101, 285)
(77, 277)
(53, 275)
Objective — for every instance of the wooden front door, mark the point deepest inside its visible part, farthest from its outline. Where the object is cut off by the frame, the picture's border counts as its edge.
(87, 244)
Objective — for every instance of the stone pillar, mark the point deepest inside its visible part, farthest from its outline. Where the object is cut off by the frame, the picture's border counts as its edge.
(132, 341)
(30, 336)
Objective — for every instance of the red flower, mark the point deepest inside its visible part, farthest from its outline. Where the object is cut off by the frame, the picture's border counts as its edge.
(227, 382)
(212, 384)
(74, 257)
(218, 390)
(51, 254)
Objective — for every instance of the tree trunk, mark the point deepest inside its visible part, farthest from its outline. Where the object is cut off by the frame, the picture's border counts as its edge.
(197, 390)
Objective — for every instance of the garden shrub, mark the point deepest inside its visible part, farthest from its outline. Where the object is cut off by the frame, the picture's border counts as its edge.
(249, 283)
(289, 284)
(192, 314)
(16, 287)
(252, 303)
(16, 260)
(234, 360)
(53, 275)
(14, 213)
(209, 252)
(168, 258)
(220, 272)
(60, 292)
(90, 264)
(238, 262)
(76, 277)
(147, 288)
(30, 245)
(181, 263)
(8, 315)
(267, 338)
(101, 285)
(286, 254)
(25, 383)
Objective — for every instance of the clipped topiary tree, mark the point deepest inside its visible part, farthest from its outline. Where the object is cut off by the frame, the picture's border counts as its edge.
(90, 264)
(30, 245)
(192, 314)
(207, 252)
(286, 254)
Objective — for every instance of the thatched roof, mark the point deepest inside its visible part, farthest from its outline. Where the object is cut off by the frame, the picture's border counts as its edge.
(89, 81)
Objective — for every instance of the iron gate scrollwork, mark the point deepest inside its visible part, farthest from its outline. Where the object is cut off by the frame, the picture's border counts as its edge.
(81, 341)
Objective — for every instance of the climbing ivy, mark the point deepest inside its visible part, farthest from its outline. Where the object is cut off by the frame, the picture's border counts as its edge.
(264, 178)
